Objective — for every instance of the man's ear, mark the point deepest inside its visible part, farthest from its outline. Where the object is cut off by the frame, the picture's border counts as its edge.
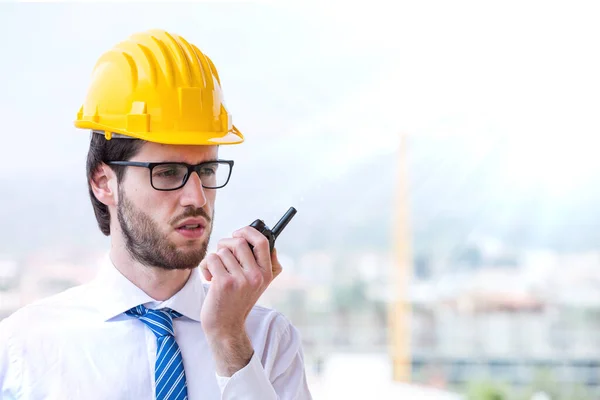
(104, 185)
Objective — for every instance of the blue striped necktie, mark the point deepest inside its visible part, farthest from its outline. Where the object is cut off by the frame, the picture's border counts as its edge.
(168, 370)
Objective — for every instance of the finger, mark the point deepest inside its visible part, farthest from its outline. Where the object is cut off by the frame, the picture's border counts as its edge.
(215, 266)
(241, 250)
(206, 273)
(230, 262)
(204, 269)
(277, 268)
(261, 250)
(252, 272)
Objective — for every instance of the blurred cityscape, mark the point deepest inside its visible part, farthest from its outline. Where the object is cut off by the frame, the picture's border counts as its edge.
(486, 305)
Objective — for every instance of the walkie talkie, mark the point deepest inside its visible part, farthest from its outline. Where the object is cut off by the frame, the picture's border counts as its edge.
(272, 234)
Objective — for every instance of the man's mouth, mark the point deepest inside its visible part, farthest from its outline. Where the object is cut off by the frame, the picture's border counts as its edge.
(189, 227)
(191, 223)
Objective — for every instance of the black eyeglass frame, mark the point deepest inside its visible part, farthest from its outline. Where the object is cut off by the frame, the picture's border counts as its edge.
(190, 168)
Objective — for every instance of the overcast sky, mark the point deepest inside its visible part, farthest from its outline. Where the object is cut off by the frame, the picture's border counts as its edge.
(348, 79)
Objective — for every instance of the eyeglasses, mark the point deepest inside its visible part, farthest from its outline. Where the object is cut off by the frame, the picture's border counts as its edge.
(173, 175)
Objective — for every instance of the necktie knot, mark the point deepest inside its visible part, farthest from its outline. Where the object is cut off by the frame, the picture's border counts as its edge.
(159, 321)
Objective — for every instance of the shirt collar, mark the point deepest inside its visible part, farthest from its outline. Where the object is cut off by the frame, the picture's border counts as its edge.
(117, 294)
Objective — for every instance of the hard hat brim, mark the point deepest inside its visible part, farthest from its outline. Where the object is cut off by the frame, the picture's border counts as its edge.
(233, 136)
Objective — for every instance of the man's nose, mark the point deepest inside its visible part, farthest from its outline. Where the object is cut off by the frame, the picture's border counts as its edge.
(193, 192)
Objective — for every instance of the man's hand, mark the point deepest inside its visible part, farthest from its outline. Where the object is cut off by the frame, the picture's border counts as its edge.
(239, 277)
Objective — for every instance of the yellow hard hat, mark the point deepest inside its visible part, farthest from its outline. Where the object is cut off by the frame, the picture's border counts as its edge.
(158, 87)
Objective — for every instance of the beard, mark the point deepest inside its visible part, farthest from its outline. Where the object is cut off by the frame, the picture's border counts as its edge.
(147, 245)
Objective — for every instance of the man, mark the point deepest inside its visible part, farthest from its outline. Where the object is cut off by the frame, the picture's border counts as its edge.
(147, 327)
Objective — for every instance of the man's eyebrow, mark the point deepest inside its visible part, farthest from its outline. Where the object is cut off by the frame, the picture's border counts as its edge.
(207, 161)
(183, 162)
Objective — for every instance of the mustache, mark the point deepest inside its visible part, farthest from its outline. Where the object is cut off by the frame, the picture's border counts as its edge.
(191, 212)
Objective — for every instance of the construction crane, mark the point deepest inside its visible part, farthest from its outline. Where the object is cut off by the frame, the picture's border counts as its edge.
(400, 308)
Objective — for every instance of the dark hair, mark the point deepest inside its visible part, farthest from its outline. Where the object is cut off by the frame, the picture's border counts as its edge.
(101, 151)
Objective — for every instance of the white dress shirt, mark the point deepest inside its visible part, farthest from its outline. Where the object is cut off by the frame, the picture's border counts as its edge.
(79, 344)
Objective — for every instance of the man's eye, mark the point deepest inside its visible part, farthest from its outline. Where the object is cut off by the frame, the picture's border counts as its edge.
(208, 171)
(166, 172)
